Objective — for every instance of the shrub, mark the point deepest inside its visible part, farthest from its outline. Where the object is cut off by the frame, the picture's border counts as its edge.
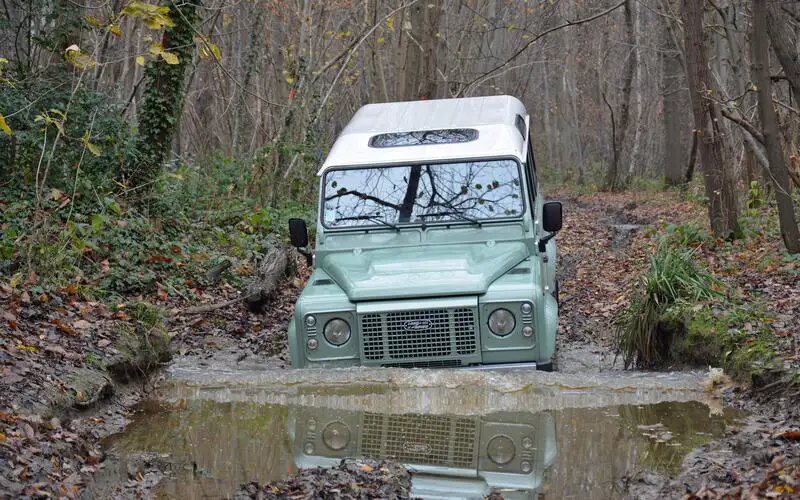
(690, 234)
(143, 343)
(643, 336)
(42, 106)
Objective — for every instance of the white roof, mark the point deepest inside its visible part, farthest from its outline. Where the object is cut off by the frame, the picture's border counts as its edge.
(493, 117)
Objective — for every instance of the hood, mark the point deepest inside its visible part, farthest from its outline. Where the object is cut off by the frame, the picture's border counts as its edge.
(429, 271)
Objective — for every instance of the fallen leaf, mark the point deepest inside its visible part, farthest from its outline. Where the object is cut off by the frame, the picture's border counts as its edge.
(55, 349)
(63, 328)
(32, 279)
(158, 258)
(28, 430)
(81, 324)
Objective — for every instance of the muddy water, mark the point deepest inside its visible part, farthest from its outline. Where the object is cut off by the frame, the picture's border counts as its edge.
(463, 433)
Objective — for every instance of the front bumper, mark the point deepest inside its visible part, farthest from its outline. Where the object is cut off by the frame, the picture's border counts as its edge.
(428, 333)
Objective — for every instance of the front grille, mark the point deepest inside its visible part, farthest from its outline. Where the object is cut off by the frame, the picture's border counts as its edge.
(420, 439)
(418, 335)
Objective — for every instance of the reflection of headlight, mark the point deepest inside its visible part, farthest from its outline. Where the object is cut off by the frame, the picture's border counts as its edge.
(502, 322)
(501, 450)
(336, 436)
(337, 331)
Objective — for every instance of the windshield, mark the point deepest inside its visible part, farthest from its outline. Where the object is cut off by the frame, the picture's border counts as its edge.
(468, 191)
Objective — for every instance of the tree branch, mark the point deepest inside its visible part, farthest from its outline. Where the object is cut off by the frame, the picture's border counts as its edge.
(757, 135)
(364, 196)
(477, 81)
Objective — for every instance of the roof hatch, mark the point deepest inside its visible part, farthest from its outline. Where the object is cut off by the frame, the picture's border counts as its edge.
(423, 137)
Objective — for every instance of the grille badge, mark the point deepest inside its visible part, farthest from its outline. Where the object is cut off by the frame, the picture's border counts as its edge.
(417, 448)
(417, 325)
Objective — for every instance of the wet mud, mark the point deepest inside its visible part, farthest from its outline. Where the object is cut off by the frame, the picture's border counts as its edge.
(211, 428)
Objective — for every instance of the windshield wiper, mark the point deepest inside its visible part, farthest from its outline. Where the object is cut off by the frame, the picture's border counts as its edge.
(457, 213)
(371, 218)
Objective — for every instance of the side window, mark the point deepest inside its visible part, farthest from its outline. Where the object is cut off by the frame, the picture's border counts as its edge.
(531, 167)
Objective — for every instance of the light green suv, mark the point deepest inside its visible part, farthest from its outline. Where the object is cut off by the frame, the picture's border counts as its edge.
(434, 247)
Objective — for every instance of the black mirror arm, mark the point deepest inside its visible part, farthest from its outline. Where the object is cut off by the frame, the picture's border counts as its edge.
(543, 242)
(307, 254)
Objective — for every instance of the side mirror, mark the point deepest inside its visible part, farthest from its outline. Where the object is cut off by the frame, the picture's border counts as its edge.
(551, 216)
(298, 233)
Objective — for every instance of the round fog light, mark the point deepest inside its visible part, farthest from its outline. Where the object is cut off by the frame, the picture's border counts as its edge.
(308, 449)
(525, 466)
(526, 308)
(336, 436)
(502, 322)
(501, 450)
(312, 344)
(527, 331)
(311, 320)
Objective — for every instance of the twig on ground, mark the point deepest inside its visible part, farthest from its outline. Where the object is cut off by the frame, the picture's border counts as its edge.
(211, 307)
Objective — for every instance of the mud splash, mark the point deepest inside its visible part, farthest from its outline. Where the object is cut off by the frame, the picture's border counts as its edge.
(429, 391)
(462, 433)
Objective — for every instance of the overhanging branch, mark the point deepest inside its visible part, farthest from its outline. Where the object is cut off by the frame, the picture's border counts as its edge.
(757, 135)
(474, 83)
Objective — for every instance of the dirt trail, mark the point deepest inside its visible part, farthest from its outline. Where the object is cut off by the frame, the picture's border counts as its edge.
(603, 247)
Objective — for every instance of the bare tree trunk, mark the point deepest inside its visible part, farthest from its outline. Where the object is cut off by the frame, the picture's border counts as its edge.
(612, 176)
(692, 160)
(570, 89)
(675, 105)
(769, 122)
(637, 57)
(552, 150)
(781, 38)
(722, 208)
(419, 78)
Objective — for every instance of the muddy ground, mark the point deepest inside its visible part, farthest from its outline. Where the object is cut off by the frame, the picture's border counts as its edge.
(57, 403)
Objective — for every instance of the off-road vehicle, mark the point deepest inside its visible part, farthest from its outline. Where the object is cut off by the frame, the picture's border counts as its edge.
(434, 246)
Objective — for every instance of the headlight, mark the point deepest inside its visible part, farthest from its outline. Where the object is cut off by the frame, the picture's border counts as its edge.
(502, 322)
(337, 331)
(501, 450)
(336, 436)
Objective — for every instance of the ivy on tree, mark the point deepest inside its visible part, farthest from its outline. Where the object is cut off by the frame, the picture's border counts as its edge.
(162, 98)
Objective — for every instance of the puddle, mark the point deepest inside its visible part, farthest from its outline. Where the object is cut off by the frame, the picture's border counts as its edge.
(464, 434)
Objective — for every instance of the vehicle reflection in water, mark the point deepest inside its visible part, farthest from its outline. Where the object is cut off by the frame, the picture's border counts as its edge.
(208, 448)
(450, 456)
